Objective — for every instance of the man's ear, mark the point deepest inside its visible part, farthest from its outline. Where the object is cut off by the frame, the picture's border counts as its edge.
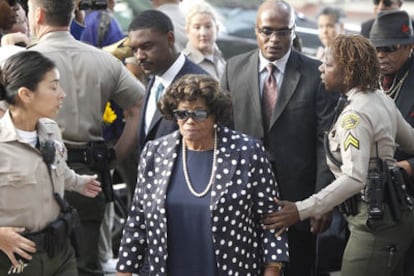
(171, 38)
(39, 15)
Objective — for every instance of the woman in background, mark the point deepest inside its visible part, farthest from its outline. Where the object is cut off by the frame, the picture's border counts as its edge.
(202, 28)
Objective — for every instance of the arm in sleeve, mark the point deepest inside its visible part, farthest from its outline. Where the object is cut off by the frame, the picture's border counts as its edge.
(134, 238)
(274, 249)
(355, 149)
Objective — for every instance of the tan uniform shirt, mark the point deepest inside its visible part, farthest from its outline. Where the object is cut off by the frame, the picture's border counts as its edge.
(368, 120)
(214, 67)
(26, 197)
(90, 77)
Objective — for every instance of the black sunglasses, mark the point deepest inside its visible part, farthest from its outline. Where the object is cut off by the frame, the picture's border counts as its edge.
(388, 49)
(197, 115)
(268, 32)
(387, 3)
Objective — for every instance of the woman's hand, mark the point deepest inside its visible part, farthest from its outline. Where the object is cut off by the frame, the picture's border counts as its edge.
(271, 271)
(406, 166)
(11, 242)
(92, 187)
(283, 218)
(123, 274)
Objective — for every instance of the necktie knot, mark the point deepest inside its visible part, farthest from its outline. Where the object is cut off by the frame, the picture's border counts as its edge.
(159, 91)
(270, 68)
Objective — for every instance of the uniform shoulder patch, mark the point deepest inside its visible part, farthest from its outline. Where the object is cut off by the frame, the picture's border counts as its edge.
(351, 140)
(350, 121)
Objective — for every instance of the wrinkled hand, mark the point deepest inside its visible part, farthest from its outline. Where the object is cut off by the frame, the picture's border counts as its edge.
(11, 242)
(283, 218)
(91, 188)
(322, 224)
(406, 166)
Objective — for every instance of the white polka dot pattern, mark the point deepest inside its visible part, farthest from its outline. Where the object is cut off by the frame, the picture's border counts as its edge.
(243, 190)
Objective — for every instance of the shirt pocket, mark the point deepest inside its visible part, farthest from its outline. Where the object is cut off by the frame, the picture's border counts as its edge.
(18, 191)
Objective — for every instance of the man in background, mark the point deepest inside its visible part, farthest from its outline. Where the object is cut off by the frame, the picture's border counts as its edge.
(277, 98)
(392, 34)
(380, 6)
(172, 9)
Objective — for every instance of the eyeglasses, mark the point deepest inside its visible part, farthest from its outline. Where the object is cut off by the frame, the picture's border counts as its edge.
(268, 32)
(197, 115)
(388, 49)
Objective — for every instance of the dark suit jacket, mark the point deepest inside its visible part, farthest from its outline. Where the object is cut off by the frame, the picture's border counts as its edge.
(240, 193)
(302, 114)
(366, 27)
(159, 126)
(405, 103)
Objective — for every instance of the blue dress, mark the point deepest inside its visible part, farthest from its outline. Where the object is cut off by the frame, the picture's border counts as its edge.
(190, 245)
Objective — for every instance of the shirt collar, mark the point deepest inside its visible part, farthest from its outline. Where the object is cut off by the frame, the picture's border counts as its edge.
(168, 77)
(280, 63)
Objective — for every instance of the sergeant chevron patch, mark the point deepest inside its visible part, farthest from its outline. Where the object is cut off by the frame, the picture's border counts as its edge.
(351, 140)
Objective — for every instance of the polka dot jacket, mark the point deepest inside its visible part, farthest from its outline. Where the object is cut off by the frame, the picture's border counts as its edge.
(243, 190)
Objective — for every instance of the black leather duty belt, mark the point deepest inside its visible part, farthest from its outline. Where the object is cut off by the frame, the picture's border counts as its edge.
(39, 238)
(77, 156)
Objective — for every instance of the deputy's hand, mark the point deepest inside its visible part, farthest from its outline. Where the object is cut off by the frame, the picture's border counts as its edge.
(123, 274)
(283, 218)
(322, 224)
(92, 187)
(11, 242)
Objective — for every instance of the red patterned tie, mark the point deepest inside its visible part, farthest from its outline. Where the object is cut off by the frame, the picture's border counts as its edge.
(269, 95)
(387, 82)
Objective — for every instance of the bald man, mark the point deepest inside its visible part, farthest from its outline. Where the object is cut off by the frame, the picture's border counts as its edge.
(292, 131)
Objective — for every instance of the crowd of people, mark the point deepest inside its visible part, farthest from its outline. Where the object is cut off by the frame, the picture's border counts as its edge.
(235, 166)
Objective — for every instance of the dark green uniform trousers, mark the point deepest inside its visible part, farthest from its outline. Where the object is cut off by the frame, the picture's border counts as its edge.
(63, 264)
(378, 249)
(91, 212)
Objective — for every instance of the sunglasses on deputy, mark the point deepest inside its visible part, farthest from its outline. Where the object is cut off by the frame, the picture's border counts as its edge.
(197, 115)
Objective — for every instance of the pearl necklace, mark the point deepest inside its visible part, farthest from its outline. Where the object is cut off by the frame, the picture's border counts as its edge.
(213, 169)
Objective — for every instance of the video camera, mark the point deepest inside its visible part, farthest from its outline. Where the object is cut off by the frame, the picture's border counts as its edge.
(93, 5)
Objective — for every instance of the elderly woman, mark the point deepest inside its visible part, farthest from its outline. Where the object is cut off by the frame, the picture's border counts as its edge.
(202, 29)
(361, 147)
(200, 194)
(34, 221)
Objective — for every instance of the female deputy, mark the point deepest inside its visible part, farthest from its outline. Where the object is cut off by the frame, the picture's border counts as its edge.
(200, 193)
(202, 28)
(367, 132)
(30, 175)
